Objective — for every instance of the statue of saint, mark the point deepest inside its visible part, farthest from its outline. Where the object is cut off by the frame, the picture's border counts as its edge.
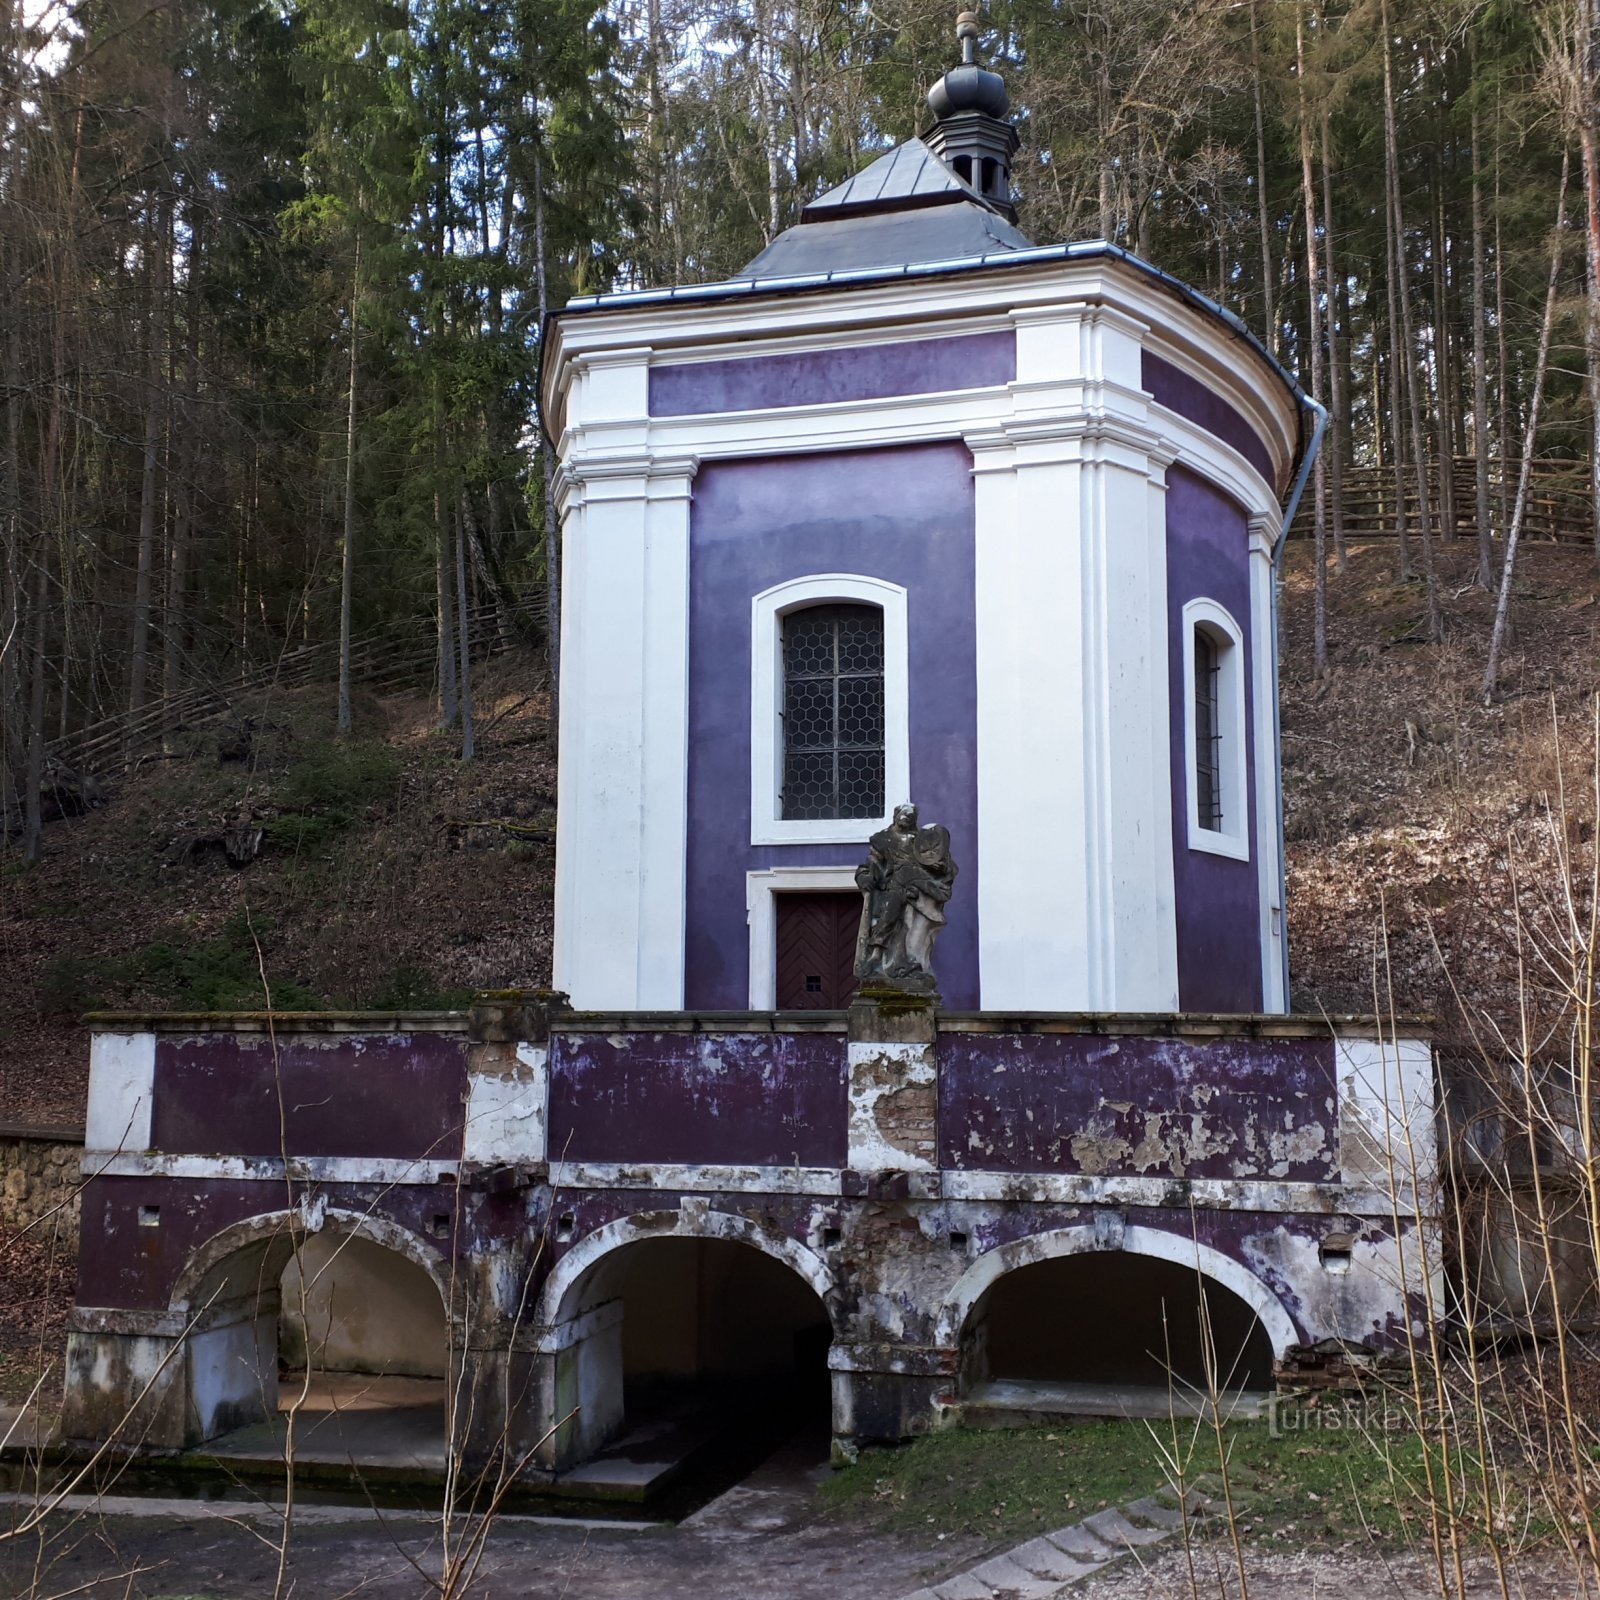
(905, 882)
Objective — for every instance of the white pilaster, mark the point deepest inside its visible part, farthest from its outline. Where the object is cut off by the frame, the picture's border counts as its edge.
(623, 781)
(1074, 786)
(1268, 844)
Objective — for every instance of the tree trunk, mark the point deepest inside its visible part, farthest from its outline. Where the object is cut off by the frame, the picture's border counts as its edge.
(1419, 446)
(1480, 358)
(1444, 380)
(33, 816)
(1263, 222)
(144, 570)
(464, 630)
(1589, 147)
(1396, 407)
(175, 611)
(1337, 399)
(347, 555)
(13, 612)
(1530, 436)
(1319, 497)
(547, 458)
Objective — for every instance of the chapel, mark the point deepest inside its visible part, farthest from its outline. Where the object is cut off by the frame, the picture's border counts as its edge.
(916, 510)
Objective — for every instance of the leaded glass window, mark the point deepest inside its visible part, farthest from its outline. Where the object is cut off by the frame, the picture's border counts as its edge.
(833, 712)
(1207, 732)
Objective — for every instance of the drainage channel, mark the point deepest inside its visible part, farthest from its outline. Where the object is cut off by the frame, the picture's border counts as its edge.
(661, 1470)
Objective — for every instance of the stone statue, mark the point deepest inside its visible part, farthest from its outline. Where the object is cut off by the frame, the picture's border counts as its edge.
(904, 882)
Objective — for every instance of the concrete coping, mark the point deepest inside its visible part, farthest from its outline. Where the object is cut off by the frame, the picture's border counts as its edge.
(1177, 1024)
(367, 1022)
(40, 1133)
(1188, 1024)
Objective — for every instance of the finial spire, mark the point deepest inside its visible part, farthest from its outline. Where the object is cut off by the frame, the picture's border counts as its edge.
(971, 132)
(967, 34)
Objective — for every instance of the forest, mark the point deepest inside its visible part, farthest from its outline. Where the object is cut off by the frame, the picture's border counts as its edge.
(273, 275)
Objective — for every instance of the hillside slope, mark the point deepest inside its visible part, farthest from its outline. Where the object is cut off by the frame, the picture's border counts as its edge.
(393, 875)
(390, 874)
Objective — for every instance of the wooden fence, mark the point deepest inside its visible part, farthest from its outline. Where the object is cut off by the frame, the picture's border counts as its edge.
(399, 656)
(1559, 506)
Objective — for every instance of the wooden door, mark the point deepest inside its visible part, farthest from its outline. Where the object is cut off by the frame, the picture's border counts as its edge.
(817, 950)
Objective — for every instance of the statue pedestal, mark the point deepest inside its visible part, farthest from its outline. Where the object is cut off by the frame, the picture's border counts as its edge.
(894, 1084)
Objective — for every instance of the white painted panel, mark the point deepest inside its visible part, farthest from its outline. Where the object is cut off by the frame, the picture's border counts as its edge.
(122, 1070)
(1387, 1131)
(507, 1111)
(876, 1072)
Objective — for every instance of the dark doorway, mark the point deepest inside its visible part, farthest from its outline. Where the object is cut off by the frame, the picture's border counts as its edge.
(816, 958)
(1119, 1321)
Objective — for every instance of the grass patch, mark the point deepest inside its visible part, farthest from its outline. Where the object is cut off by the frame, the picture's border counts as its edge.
(409, 987)
(220, 973)
(330, 787)
(1013, 1484)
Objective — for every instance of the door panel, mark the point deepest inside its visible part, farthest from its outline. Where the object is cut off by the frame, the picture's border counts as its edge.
(816, 954)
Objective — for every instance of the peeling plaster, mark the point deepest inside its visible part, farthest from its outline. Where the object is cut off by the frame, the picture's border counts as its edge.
(883, 1078)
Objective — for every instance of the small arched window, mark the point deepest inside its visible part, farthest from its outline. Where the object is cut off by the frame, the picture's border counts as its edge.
(1216, 760)
(1207, 730)
(833, 712)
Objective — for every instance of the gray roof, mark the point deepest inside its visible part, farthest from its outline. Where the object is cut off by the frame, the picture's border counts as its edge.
(907, 207)
(910, 174)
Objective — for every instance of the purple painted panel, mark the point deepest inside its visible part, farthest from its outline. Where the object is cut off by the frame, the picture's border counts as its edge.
(1136, 1107)
(1190, 398)
(746, 1098)
(342, 1095)
(123, 1263)
(902, 515)
(872, 372)
(1218, 899)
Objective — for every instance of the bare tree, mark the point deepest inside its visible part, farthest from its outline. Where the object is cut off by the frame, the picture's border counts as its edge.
(1530, 440)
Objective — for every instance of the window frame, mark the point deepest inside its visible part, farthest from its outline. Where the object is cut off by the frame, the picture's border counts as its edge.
(1232, 839)
(767, 824)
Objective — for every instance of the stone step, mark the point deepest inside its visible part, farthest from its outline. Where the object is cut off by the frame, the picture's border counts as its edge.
(1007, 1577)
(1118, 1532)
(1152, 1511)
(963, 1587)
(1079, 1542)
(1047, 1560)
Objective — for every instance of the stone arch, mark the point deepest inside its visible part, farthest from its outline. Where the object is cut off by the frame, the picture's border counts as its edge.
(228, 1297)
(253, 1252)
(585, 1355)
(1154, 1242)
(686, 1223)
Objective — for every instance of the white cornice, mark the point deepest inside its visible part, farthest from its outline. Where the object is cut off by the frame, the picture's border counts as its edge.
(895, 311)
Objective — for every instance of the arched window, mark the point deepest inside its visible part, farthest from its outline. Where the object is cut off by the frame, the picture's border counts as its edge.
(1216, 767)
(829, 709)
(833, 713)
(1207, 729)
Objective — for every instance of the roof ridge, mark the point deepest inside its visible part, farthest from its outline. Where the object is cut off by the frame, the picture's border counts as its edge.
(909, 175)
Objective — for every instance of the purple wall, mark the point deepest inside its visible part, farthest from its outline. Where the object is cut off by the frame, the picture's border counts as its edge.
(1130, 1106)
(759, 1098)
(903, 515)
(1218, 899)
(121, 1263)
(1190, 398)
(923, 366)
(342, 1095)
